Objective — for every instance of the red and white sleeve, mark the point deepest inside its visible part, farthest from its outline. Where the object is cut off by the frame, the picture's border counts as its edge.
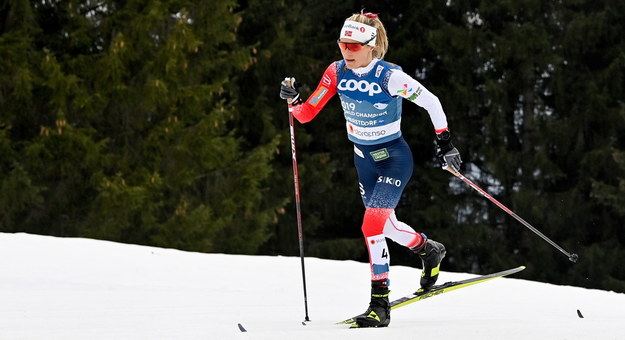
(326, 89)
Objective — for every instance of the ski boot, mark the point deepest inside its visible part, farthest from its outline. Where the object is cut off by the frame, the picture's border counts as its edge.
(431, 254)
(379, 312)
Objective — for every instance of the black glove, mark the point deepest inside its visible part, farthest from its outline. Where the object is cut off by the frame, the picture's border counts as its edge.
(288, 91)
(447, 154)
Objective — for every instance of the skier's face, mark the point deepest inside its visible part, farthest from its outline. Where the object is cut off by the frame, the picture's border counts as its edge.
(355, 54)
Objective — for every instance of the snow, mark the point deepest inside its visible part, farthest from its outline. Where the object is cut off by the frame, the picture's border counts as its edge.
(71, 288)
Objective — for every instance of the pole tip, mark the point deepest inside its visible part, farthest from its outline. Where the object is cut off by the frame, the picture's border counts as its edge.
(573, 257)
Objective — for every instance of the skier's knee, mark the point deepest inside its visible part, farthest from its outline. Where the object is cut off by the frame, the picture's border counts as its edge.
(374, 220)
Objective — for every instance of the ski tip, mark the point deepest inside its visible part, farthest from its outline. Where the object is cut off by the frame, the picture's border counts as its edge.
(515, 270)
(241, 328)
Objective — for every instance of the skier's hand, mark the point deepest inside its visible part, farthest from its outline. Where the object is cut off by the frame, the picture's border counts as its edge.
(447, 154)
(288, 91)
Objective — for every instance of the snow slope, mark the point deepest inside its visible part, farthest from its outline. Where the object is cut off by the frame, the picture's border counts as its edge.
(61, 288)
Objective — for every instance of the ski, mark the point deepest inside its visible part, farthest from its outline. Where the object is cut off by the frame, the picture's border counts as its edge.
(440, 289)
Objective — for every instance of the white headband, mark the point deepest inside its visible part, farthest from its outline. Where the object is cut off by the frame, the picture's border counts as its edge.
(359, 32)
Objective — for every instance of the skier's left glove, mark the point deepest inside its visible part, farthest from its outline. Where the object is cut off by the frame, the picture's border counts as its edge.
(446, 153)
(288, 91)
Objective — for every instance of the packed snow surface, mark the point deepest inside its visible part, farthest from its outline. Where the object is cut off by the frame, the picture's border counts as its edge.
(69, 288)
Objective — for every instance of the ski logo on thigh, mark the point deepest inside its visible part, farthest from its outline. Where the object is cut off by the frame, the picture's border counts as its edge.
(389, 180)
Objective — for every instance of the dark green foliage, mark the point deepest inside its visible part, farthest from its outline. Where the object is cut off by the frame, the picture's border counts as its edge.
(118, 121)
(159, 122)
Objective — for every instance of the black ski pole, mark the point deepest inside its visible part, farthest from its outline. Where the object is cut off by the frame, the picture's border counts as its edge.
(299, 212)
(572, 257)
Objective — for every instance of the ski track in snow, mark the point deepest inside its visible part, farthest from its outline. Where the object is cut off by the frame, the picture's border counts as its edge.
(72, 288)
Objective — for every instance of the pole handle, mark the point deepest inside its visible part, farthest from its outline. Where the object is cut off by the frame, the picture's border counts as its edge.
(289, 83)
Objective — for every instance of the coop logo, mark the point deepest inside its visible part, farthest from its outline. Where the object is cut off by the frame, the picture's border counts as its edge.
(360, 85)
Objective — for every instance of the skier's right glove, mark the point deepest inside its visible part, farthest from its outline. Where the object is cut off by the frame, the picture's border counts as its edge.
(288, 91)
(446, 153)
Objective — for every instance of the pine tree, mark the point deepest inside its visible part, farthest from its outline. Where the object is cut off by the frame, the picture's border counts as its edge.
(590, 139)
(122, 115)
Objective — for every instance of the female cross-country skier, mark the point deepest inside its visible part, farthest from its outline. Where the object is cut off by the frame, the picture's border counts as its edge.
(371, 92)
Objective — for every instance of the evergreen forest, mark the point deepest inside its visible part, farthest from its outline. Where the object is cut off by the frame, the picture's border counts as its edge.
(158, 122)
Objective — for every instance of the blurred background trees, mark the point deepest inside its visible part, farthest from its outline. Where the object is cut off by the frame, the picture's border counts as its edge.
(159, 123)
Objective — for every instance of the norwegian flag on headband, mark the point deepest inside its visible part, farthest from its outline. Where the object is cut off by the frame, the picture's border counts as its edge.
(359, 31)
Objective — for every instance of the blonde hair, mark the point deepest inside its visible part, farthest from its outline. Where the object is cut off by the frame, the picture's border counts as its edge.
(381, 41)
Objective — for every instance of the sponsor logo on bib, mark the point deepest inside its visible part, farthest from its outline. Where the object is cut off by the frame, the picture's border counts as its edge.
(360, 85)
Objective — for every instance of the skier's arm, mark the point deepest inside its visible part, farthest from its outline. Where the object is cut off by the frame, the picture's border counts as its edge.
(305, 112)
(404, 85)
(407, 87)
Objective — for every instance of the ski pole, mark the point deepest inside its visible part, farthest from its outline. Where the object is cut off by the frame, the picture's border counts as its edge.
(299, 212)
(572, 257)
